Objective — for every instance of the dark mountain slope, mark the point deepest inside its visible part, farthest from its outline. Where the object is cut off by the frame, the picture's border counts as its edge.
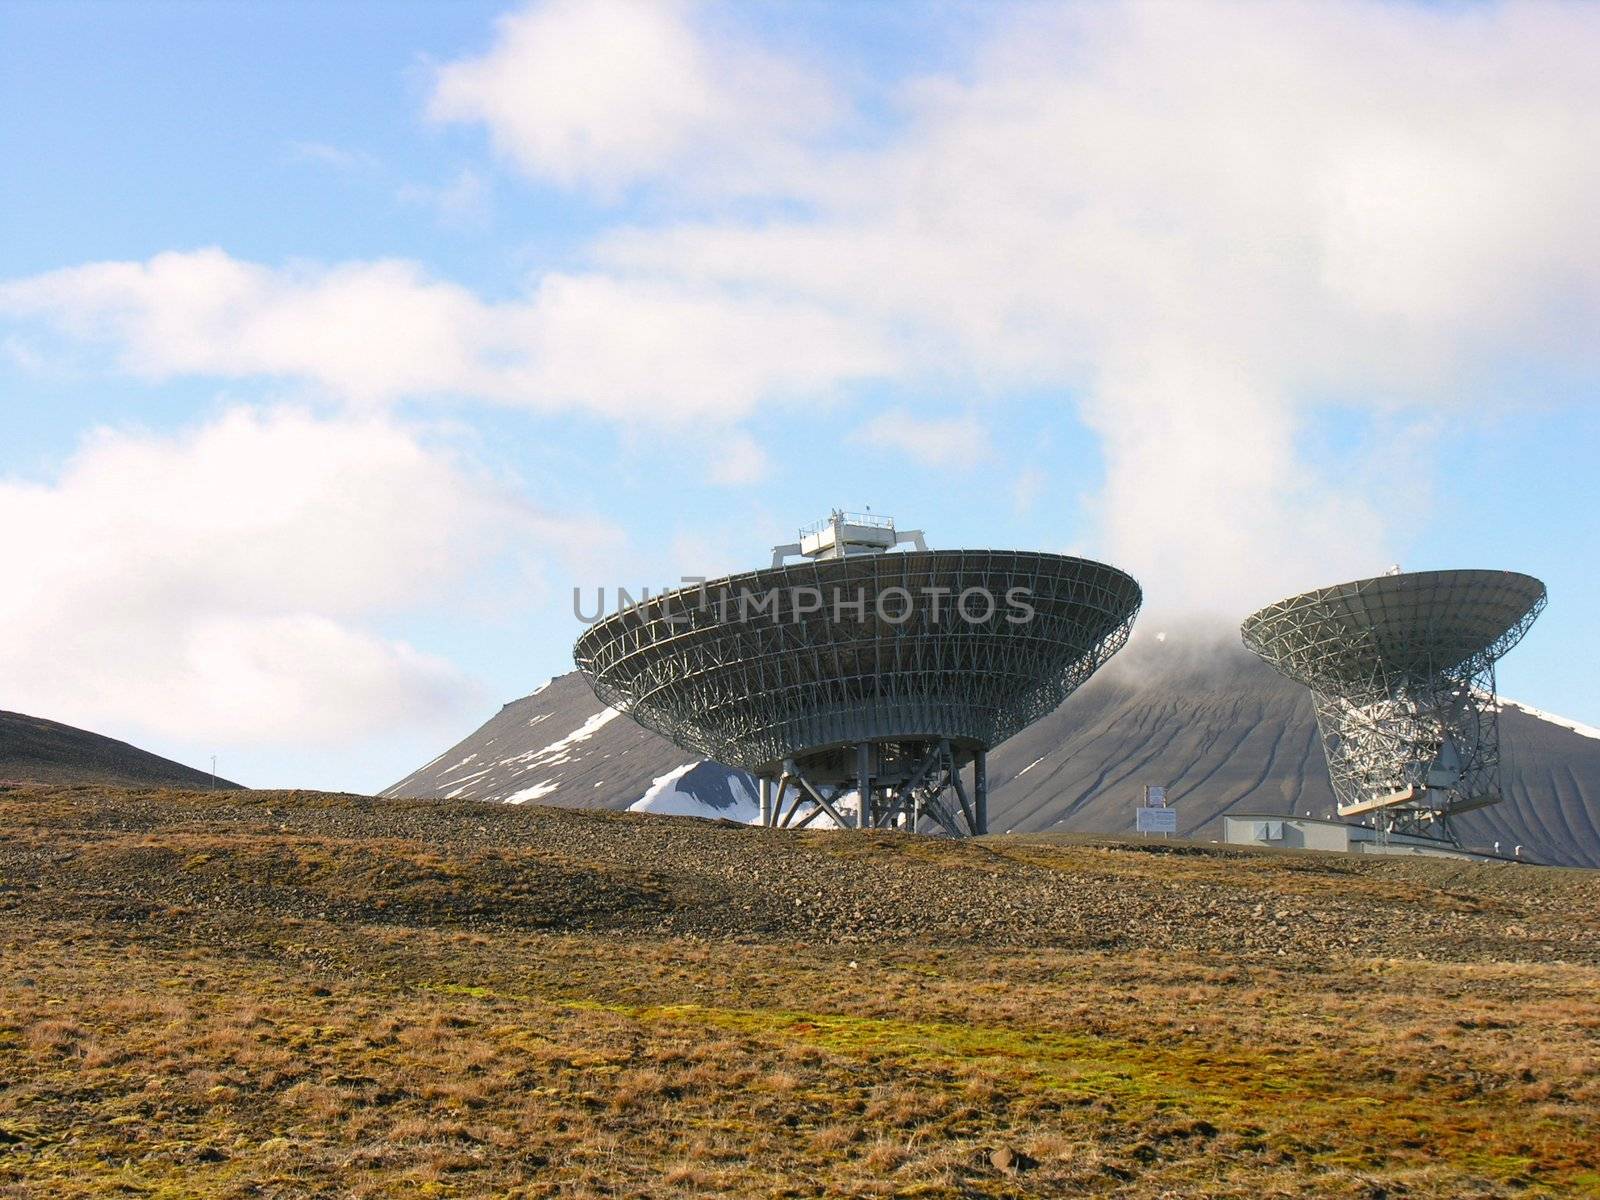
(1226, 733)
(35, 750)
(1193, 711)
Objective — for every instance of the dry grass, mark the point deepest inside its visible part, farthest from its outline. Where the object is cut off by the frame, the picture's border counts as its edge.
(253, 1054)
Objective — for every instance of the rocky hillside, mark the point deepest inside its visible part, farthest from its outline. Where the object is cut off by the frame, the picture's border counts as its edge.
(1192, 711)
(346, 858)
(33, 749)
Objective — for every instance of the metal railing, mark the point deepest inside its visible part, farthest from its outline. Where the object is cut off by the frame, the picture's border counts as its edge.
(870, 520)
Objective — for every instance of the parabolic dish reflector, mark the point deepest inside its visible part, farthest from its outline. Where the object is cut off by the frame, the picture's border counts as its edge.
(1359, 639)
(751, 691)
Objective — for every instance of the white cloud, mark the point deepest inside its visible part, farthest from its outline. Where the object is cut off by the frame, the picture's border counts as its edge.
(1026, 488)
(225, 583)
(738, 459)
(1194, 223)
(25, 357)
(604, 93)
(328, 155)
(464, 201)
(934, 442)
(1199, 222)
(368, 331)
(672, 349)
(374, 332)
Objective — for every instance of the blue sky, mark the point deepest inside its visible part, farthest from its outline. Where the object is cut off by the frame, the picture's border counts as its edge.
(339, 342)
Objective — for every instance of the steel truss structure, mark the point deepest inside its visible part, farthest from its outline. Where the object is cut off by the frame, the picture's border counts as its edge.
(887, 674)
(912, 785)
(1401, 669)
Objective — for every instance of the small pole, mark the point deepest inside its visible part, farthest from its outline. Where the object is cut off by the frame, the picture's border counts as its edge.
(864, 786)
(213, 772)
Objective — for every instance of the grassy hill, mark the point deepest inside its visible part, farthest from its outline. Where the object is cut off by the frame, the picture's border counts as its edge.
(269, 993)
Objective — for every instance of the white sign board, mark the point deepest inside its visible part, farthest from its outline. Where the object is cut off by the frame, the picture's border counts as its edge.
(1155, 796)
(1155, 820)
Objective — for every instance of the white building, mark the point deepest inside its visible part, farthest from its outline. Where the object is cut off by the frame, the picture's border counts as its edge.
(1314, 833)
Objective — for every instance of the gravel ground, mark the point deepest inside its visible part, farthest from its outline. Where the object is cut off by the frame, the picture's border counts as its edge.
(197, 857)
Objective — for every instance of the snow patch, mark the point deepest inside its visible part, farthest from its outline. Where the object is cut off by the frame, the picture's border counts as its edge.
(537, 792)
(468, 778)
(666, 799)
(558, 750)
(459, 765)
(1028, 768)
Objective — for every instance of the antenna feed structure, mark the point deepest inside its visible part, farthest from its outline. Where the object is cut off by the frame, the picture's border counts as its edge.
(841, 534)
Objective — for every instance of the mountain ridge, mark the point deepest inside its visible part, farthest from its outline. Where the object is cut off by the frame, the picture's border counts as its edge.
(1192, 710)
(37, 750)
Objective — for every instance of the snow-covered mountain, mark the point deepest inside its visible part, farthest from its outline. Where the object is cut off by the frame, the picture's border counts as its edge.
(1193, 711)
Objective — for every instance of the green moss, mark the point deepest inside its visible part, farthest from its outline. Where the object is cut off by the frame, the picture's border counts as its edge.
(463, 989)
(1141, 1079)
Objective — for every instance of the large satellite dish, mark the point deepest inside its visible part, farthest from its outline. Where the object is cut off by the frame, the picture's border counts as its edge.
(862, 671)
(1401, 668)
